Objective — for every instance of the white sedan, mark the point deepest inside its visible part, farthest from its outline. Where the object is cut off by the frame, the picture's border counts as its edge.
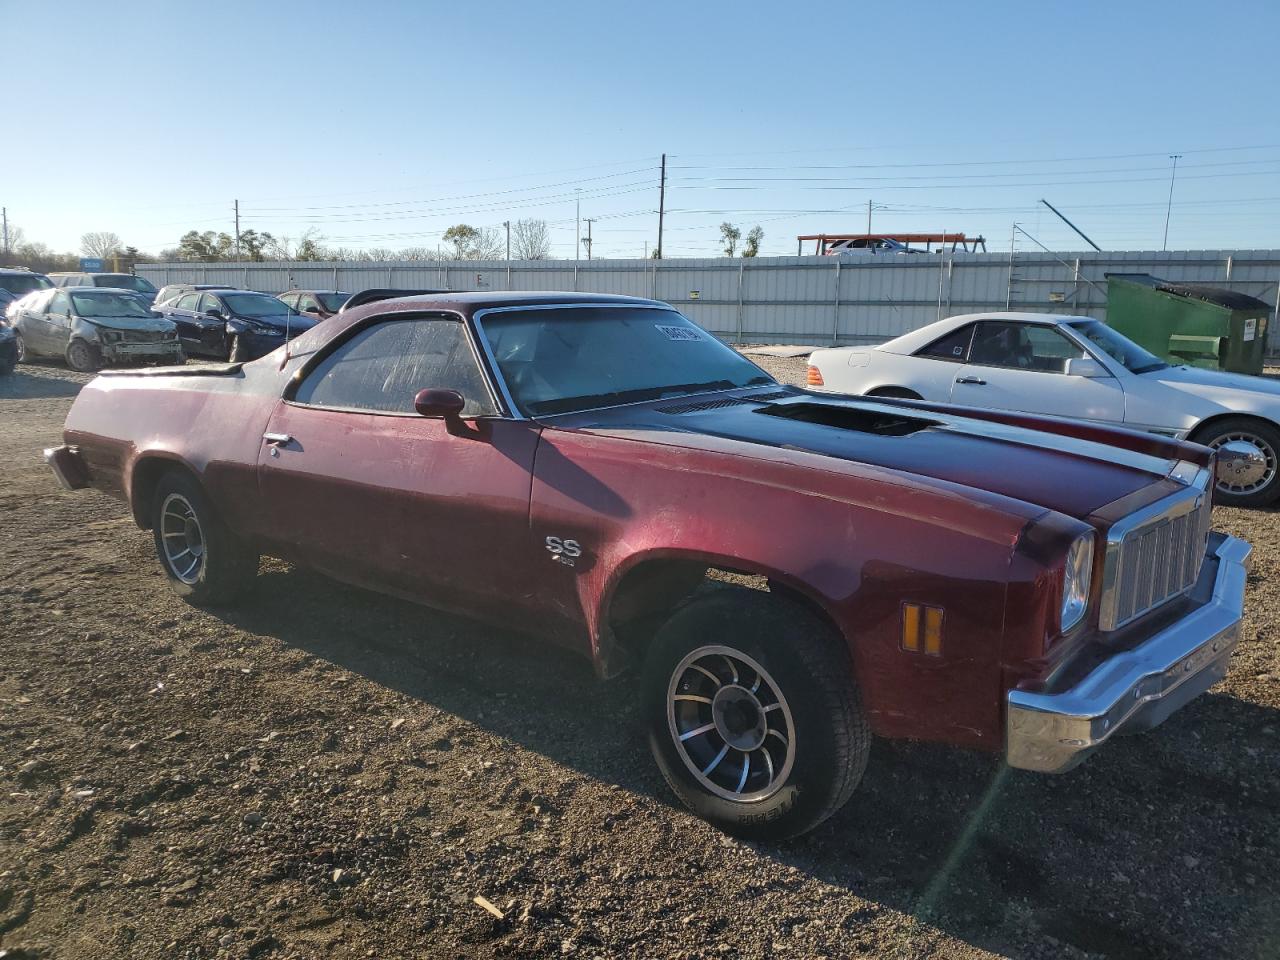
(1074, 367)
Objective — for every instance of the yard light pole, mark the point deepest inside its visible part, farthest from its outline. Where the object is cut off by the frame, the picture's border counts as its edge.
(577, 224)
(507, 224)
(1175, 157)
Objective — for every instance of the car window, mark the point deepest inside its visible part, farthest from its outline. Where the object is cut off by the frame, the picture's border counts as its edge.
(307, 303)
(60, 303)
(209, 302)
(290, 298)
(188, 301)
(383, 367)
(1023, 346)
(954, 346)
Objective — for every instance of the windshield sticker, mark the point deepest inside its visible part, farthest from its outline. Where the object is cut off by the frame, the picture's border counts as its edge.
(679, 333)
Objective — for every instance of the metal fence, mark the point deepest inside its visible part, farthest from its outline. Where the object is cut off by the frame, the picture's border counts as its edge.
(789, 300)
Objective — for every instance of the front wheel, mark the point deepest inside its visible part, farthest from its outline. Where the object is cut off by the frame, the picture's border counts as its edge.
(22, 347)
(82, 357)
(238, 352)
(754, 715)
(1249, 452)
(204, 562)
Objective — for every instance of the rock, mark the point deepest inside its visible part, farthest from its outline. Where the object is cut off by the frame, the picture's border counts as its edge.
(1190, 862)
(397, 723)
(177, 735)
(252, 819)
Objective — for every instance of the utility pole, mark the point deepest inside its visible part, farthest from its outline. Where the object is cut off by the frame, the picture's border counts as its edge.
(590, 221)
(868, 218)
(577, 224)
(662, 202)
(507, 224)
(1175, 157)
(4, 212)
(237, 204)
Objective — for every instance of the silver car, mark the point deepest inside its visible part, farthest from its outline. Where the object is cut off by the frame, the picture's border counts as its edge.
(92, 326)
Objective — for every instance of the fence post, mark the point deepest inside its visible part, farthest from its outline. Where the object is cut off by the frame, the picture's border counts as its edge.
(742, 269)
(835, 319)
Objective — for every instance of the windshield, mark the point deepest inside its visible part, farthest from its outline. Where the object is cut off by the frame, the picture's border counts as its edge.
(20, 284)
(257, 306)
(1118, 347)
(333, 301)
(126, 281)
(559, 361)
(104, 304)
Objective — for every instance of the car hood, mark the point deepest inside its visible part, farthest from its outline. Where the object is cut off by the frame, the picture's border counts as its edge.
(146, 324)
(1069, 475)
(1214, 383)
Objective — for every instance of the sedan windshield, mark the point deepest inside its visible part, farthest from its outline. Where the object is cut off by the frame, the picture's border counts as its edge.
(1118, 347)
(126, 281)
(333, 301)
(104, 304)
(257, 306)
(577, 358)
(20, 284)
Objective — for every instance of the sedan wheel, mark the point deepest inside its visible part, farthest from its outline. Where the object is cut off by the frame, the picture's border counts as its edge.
(22, 347)
(81, 357)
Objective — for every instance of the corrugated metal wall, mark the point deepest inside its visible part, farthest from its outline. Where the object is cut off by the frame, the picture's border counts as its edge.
(800, 300)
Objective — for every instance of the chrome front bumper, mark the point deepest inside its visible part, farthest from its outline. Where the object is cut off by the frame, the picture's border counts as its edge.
(1138, 688)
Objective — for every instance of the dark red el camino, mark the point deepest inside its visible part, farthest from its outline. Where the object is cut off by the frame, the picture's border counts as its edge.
(574, 465)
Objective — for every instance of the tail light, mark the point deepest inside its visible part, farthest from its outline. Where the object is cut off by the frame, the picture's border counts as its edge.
(814, 377)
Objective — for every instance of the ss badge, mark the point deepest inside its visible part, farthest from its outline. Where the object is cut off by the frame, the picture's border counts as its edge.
(563, 551)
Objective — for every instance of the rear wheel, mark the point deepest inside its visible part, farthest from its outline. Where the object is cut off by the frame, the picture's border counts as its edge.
(82, 357)
(1249, 455)
(204, 562)
(754, 715)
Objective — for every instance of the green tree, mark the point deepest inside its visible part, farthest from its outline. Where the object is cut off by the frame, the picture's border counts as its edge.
(729, 236)
(207, 246)
(752, 247)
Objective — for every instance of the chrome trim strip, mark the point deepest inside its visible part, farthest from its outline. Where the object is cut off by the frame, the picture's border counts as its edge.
(1175, 505)
(1138, 688)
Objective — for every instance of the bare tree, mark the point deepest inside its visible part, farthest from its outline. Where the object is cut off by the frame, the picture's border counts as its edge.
(752, 247)
(729, 236)
(530, 240)
(101, 243)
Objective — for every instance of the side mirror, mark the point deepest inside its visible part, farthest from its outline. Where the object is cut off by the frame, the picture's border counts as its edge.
(1085, 367)
(439, 403)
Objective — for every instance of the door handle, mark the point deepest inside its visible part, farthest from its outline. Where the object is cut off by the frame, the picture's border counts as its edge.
(973, 380)
(277, 438)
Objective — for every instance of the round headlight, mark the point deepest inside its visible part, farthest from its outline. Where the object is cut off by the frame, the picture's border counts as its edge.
(1075, 581)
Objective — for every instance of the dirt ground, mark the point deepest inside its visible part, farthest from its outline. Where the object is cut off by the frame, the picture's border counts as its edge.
(322, 772)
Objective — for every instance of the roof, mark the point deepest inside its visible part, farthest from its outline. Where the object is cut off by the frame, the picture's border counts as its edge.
(913, 341)
(1206, 292)
(470, 303)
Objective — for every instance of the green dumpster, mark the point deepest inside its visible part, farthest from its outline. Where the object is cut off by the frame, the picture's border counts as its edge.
(1189, 323)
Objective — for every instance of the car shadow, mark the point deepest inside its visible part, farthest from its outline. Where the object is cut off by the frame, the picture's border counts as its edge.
(1157, 843)
(34, 382)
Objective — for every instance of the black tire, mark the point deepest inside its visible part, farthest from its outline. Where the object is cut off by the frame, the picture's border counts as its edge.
(238, 353)
(6, 367)
(22, 347)
(223, 565)
(895, 393)
(82, 357)
(807, 775)
(1262, 434)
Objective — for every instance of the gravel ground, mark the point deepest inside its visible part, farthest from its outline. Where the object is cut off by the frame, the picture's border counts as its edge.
(322, 772)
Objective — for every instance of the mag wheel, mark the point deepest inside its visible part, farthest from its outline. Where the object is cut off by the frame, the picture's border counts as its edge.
(1249, 460)
(82, 357)
(754, 715)
(204, 562)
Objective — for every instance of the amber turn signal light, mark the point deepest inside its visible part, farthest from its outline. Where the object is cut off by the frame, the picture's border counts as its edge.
(922, 629)
(814, 377)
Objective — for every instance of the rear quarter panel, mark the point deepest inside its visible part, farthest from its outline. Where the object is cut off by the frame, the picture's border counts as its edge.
(857, 541)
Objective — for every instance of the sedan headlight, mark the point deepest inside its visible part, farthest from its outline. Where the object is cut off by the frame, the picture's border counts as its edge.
(1075, 581)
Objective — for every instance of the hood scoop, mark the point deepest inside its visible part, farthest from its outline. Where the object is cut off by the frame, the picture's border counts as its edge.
(695, 406)
(877, 422)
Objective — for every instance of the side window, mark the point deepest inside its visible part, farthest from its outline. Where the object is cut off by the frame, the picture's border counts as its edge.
(1024, 346)
(307, 303)
(188, 301)
(209, 302)
(290, 298)
(383, 367)
(954, 346)
(60, 303)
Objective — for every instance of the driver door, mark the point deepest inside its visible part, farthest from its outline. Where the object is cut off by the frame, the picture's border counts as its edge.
(358, 485)
(1022, 367)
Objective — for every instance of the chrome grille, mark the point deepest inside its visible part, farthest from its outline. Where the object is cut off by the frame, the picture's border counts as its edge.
(1154, 555)
(145, 336)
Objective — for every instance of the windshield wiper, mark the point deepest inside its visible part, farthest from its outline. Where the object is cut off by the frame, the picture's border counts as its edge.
(1151, 368)
(637, 395)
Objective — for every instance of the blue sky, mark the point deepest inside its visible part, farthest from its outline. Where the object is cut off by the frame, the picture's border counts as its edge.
(379, 124)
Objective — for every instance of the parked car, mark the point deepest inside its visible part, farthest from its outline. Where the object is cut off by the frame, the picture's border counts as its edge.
(320, 304)
(1073, 367)
(172, 291)
(117, 281)
(91, 326)
(8, 348)
(17, 283)
(233, 325)
(572, 465)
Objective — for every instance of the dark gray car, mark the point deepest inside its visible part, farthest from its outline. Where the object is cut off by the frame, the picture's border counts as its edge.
(92, 326)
